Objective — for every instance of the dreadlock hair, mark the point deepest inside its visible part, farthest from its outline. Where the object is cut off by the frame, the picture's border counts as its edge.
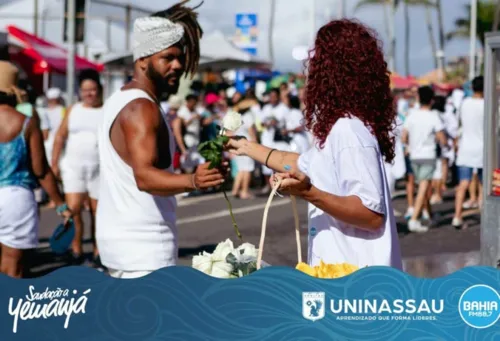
(188, 18)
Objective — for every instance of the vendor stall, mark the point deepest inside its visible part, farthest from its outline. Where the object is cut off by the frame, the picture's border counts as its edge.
(490, 216)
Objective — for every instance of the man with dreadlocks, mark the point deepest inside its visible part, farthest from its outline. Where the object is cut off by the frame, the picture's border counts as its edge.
(136, 220)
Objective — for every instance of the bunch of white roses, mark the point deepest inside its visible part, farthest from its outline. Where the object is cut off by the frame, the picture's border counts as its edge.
(227, 261)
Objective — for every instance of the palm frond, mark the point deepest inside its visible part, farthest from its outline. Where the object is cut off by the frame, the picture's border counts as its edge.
(421, 3)
(366, 3)
(462, 22)
(459, 33)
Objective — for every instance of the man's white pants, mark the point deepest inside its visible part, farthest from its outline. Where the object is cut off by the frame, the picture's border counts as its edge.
(127, 274)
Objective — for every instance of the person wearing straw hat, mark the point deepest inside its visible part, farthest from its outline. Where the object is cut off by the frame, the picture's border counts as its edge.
(23, 165)
(136, 216)
(351, 116)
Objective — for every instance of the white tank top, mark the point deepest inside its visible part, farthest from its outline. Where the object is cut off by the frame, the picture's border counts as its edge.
(135, 230)
(81, 145)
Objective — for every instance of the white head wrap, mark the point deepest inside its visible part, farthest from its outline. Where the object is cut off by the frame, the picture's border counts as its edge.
(154, 34)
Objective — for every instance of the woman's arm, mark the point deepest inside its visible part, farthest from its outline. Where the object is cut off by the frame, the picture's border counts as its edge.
(348, 209)
(278, 160)
(39, 165)
(59, 142)
(360, 183)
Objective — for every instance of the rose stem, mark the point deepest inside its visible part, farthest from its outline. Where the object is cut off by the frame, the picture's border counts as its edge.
(236, 229)
(232, 216)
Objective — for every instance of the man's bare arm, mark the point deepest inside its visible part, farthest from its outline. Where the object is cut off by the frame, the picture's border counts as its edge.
(140, 121)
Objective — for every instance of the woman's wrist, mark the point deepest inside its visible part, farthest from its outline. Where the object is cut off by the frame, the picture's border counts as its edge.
(190, 182)
(61, 208)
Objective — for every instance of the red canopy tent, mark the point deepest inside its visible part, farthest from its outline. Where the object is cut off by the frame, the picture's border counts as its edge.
(400, 82)
(42, 50)
(37, 56)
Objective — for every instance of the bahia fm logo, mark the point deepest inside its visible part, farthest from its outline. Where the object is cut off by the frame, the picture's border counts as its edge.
(313, 305)
(479, 306)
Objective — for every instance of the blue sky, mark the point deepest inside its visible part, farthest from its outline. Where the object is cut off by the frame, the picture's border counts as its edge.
(292, 25)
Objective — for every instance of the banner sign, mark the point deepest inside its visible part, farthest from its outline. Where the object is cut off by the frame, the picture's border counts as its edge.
(275, 303)
(247, 33)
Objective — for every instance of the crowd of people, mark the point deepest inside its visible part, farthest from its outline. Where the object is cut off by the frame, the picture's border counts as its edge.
(442, 143)
(127, 158)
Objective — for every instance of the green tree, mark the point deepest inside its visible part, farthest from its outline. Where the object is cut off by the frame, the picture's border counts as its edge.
(485, 19)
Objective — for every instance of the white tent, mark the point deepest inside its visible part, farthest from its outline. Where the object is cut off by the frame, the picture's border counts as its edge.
(219, 53)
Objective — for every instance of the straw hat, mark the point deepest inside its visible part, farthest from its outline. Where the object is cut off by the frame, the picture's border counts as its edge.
(8, 80)
(174, 102)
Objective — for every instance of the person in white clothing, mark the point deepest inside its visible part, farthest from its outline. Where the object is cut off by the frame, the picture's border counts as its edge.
(397, 168)
(245, 165)
(294, 126)
(421, 130)
(457, 97)
(79, 167)
(446, 157)
(51, 117)
(136, 216)
(191, 121)
(273, 118)
(470, 146)
(343, 176)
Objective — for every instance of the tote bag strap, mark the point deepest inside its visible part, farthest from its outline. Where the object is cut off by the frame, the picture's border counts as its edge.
(264, 225)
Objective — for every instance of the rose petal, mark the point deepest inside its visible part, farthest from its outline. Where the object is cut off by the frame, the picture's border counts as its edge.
(222, 270)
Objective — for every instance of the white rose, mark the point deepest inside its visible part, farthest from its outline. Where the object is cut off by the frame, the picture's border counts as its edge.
(222, 250)
(203, 262)
(221, 269)
(248, 249)
(242, 258)
(232, 121)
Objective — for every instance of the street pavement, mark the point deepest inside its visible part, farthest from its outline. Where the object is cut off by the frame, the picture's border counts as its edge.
(205, 221)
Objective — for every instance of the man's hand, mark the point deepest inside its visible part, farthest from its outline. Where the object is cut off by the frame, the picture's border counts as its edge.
(205, 178)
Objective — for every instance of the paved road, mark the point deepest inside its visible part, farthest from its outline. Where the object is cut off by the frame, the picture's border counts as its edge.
(204, 221)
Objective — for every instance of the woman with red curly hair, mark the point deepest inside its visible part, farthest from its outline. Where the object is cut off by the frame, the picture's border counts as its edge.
(350, 111)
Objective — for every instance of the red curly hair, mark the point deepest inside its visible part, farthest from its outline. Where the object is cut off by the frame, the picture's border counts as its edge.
(348, 75)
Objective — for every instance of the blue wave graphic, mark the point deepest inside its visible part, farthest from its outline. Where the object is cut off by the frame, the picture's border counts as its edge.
(180, 303)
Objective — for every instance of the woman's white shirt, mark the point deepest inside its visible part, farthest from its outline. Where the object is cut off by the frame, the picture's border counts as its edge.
(350, 163)
(295, 120)
(82, 146)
